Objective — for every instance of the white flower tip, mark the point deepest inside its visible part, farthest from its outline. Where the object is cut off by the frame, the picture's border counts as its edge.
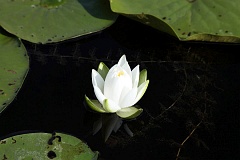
(123, 56)
(94, 73)
(122, 60)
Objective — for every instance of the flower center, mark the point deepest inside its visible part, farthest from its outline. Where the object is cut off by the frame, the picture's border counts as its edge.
(120, 73)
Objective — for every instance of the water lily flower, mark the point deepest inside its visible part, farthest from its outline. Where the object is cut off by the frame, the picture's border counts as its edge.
(118, 89)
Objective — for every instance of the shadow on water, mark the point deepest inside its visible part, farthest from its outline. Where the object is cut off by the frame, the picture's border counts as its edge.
(191, 107)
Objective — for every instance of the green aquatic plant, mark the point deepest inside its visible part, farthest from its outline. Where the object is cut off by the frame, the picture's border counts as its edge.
(47, 21)
(45, 146)
(14, 65)
(200, 20)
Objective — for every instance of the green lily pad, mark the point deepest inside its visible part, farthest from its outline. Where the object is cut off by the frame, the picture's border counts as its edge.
(14, 65)
(46, 21)
(200, 20)
(43, 146)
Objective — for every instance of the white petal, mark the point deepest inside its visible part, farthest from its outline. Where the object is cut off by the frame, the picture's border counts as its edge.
(111, 85)
(125, 91)
(110, 106)
(127, 68)
(122, 60)
(124, 64)
(113, 88)
(141, 90)
(129, 99)
(99, 94)
(115, 81)
(135, 76)
(97, 80)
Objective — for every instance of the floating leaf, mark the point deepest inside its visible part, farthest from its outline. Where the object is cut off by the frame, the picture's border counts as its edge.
(45, 21)
(201, 20)
(14, 65)
(44, 146)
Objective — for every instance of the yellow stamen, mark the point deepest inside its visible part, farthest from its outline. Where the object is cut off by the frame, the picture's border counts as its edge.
(120, 73)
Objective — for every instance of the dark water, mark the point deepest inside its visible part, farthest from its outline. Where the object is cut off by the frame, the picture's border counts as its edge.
(193, 94)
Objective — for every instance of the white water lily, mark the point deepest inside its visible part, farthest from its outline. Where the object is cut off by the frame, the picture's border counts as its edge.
(118, 89)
